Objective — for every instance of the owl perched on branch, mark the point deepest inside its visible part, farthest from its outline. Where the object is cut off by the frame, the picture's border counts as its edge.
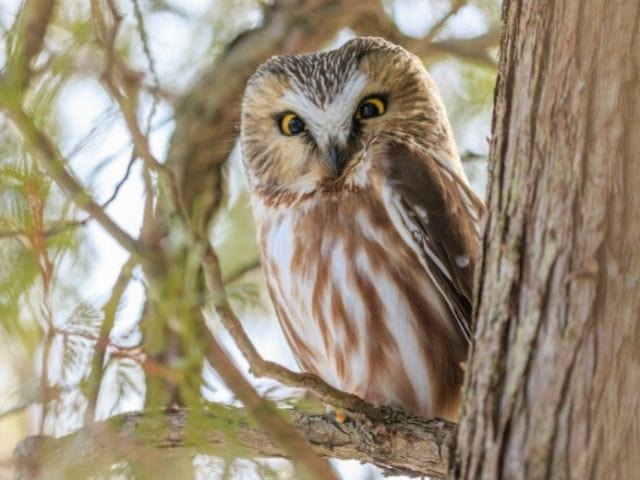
(368, 230)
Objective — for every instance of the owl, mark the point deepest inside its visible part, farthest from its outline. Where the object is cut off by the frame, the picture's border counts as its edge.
(366, 224)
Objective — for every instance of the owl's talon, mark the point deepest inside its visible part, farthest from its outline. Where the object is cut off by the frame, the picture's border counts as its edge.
(340, 415)
(337, 418)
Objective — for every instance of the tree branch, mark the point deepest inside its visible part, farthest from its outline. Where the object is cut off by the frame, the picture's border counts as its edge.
(405, 445)
(52, 231)
(374, 20)
(33, 21)
(109, 310)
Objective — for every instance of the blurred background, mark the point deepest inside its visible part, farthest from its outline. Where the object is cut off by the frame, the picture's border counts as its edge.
(181, 66)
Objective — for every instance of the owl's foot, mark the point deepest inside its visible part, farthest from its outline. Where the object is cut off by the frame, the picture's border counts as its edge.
(337, 416)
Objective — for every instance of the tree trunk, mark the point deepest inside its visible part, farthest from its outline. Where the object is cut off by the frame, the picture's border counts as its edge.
(553, 389)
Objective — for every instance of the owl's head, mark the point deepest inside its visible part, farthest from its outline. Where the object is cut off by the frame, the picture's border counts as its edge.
(307, 120)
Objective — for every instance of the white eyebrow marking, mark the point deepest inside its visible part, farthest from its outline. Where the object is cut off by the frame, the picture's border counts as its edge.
(333, 120)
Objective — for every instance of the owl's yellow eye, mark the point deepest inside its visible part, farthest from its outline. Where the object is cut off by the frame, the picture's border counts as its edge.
(291, 124)
(371, 107)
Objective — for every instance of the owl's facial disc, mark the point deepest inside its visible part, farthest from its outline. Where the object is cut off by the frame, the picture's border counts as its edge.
(332, 129)
(312, 121)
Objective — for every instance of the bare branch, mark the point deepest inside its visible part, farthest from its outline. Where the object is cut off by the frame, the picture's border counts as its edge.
(33, 21)
(122, 181)
(48, 232)
(403, 445)
(241, 271)
(142, 31)
(109, 316)
(374, 20)
(123, 83)
(456, 5)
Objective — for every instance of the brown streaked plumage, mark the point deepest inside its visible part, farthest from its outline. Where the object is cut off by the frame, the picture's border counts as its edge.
(368, 230)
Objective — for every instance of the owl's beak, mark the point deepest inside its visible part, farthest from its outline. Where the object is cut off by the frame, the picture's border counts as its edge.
(337, 158)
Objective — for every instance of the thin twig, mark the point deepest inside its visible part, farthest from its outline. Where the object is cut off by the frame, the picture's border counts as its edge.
(242, 271)
(104, 121)
(440, 24)
(15, 409)
(46, 233)
(474, 49)
(148, 184)
(126, 104)
(144, 38)
(39, 246)
(100, 349)
(32, 23)
(121, 182)
(374, 20)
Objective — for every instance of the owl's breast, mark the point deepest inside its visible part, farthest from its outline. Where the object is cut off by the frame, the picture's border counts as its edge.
(353, 300)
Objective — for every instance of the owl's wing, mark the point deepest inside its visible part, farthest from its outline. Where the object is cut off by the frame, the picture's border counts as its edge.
(440, 217)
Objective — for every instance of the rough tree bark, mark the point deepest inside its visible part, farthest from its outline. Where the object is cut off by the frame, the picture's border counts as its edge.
(401, 444)
(554, 373)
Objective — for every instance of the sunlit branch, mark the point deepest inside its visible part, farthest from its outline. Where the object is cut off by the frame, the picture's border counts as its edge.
(109, 315)
(374, 20)
(33, 21)
(456, 5)
(409, 446)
